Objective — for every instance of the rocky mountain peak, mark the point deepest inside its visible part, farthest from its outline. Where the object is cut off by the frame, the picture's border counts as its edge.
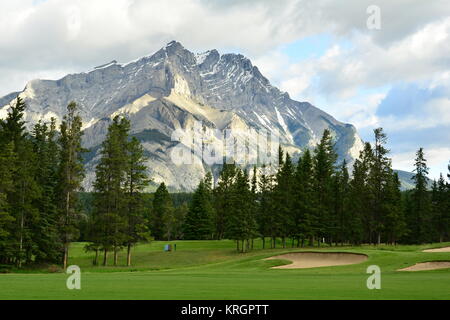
(171, 90)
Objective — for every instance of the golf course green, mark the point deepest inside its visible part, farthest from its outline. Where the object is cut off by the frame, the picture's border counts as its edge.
(214, 270)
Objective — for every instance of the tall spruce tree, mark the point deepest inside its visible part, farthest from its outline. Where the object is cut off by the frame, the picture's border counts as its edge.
(264, 203)
(110, 201)
(241, 222)
(48, 246)
(341, 200)
(70, 176)
(135, 183)
(283, 199)
(222, 198)
(7, 220)
(24, 190)
(362, 195)
(358, 202)
(324, 167)
(441, 209)
(420, 220)
(199, 224)
(395, 224)
(254, 201)
(379, 177)
(161, 212)
(304, 206)
(180, 213)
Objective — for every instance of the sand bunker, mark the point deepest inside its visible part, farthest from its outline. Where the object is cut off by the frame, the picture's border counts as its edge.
(428, 266)
(445, 249)
(303, 260)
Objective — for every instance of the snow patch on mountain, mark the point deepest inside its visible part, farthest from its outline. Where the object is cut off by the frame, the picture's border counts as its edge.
(135, 106)
(201, 57)
(283, 125)
(89, 124)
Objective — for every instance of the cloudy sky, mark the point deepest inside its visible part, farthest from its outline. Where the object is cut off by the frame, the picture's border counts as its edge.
(321, 51)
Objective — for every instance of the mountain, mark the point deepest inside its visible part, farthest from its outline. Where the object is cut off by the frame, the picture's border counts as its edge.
(406, 181)
(170, 91)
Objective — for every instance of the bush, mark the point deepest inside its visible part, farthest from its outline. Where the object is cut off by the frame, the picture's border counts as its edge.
(54, 268)
(5, 268)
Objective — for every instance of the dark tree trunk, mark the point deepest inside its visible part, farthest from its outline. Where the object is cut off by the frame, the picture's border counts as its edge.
(129, 255)
(96, 257)
(105, 257)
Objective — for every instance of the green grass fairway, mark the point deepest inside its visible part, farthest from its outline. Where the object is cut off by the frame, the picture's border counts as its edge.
(213, 270)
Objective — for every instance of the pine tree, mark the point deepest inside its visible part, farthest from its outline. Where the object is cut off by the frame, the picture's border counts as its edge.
(241, 223)
(135, 183)
(6, 219)
(264, 202)
(420, 220)
(379, 176)
(254, 202)
(448, 174)
(180, 213)
(24, 190)
(48, 246)
(358, 201)
(222, 198)
(303, 193)
(70, 176)
(199, 218)
(111, 205)
(161, 213)
(283, 199)
(341, 204)
(362, 196)
(395, 224)
(441, 209)
(248, 203)
(324, 167)
(275, 218)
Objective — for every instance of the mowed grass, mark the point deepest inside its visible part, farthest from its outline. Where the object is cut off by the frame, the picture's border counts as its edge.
(214, 270)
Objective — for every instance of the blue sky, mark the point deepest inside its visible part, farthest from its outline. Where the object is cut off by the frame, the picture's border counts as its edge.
(414, 113)
(320, 51)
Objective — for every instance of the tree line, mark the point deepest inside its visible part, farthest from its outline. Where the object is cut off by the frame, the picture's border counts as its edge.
(317, 201)
(40, 176)
(312, 201)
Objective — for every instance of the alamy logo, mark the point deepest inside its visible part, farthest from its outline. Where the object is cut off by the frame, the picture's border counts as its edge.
(74, 280)
(374, 19)
(374, 281)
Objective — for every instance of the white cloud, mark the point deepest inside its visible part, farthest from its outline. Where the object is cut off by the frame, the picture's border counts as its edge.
(79, 34)
(437, 160)
(434, 113)
(47, 39)
(368, 65)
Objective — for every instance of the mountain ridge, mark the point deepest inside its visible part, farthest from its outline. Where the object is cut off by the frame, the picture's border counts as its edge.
(172, 89)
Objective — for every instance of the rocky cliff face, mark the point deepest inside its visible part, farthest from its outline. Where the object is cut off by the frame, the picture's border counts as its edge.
(174, 89)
